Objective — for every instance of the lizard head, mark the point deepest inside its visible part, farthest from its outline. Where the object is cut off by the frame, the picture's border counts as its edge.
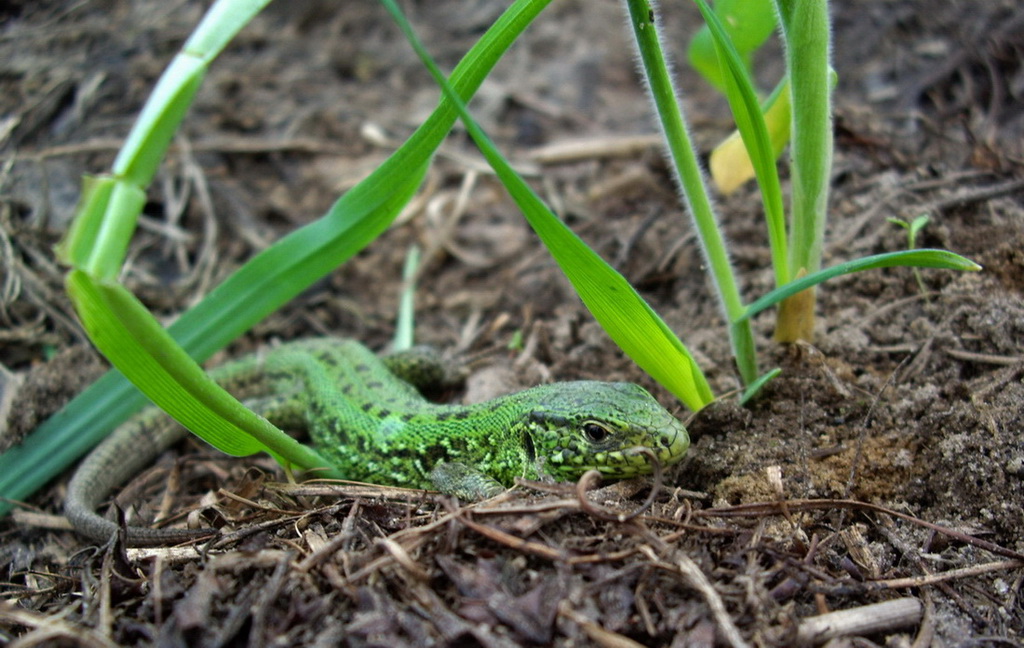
(588, 425)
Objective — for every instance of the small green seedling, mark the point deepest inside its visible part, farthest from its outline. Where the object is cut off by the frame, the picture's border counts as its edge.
(913, 228)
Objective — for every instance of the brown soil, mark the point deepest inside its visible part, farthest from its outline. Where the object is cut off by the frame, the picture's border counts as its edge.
(889, 454)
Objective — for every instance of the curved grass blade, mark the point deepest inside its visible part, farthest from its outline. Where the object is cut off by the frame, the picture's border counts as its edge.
(923, 258)
(620, 310)
(131, 338)
(105, 221)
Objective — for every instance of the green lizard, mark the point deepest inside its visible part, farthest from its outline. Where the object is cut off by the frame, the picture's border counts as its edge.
(365, 415)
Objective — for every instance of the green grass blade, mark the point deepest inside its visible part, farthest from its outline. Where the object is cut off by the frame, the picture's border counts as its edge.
(266, 282)
(806, 32)
(681, 152)
(730, 163)
(107, 213)
(750, 121)
(805, 26)
(131, 338)
(924, 258)
(689, 175)
(147, 143)
(104, 222)
(755, 387)
(405, 322)
(140, 156)
(625, 316)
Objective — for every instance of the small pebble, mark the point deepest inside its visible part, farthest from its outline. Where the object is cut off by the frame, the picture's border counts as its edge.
(1015, 466)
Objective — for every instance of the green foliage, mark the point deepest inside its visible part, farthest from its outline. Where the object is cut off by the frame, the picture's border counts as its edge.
(910, 258)
(121, 327)
(730, 164)
(739, 89)
(806, 29)
(795, 245)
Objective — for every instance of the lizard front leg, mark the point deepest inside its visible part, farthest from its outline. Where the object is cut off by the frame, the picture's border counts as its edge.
(465, 482)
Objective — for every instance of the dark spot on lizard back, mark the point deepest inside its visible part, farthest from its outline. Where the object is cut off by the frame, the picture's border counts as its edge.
(316, 408)
(435, 453)
(403, 453)
(327, 358)
(276, 376)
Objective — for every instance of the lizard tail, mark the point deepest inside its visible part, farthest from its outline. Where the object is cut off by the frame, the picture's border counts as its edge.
(123, 454)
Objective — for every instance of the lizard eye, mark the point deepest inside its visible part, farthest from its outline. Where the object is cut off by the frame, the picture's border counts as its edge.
(595, 432)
